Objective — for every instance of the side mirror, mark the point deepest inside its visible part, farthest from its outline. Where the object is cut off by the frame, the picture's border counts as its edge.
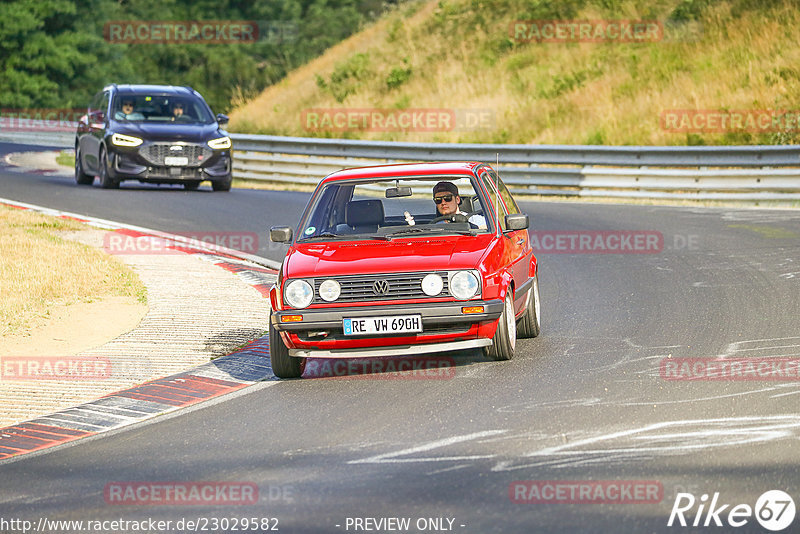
(222, 119)
(280, 234)
(97, 120)
(517, 221)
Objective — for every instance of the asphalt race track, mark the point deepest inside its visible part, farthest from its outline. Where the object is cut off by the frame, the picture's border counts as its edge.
(591, 399)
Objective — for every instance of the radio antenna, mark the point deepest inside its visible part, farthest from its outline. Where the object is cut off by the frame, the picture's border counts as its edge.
(497, 188)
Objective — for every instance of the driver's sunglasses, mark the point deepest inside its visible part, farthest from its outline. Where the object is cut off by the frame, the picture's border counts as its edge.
(445, 198)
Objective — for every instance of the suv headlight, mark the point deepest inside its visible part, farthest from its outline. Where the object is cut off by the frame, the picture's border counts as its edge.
(298, 294)
(463, 285)
(125, 140)
(220, 144)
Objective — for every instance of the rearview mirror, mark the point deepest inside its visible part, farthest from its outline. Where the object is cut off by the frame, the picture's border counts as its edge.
(222, 119)
(394, 192)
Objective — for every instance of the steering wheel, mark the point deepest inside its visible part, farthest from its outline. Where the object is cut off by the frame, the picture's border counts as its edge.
(455, 217)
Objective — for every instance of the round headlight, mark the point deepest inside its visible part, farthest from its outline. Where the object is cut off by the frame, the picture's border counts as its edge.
(298, 294)
(432, 284)
(329, 290)
(463, 285)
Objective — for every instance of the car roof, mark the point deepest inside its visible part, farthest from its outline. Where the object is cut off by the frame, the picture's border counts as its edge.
(405, 170)
(160, 89)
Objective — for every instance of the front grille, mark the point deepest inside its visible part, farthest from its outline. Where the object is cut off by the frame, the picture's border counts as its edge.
(155, 153)
(399, 286)
(173, 172)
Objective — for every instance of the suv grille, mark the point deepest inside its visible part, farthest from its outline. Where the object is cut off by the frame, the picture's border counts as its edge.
(155, 153)
(394, 286)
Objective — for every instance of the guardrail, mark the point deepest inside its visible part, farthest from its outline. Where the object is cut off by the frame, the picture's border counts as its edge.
(705, 172)
(730, 172)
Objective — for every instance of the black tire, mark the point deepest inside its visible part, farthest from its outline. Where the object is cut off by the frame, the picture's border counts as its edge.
(191, 186)
(505, 337)
(529, 324)
(81, 178)
(223, 185)
(283, 365)
(106, 181)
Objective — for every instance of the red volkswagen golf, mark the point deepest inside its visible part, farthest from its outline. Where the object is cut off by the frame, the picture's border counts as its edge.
(399, 260)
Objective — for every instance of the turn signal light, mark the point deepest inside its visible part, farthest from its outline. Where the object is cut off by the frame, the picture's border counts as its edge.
(291, 318)
(472, 309)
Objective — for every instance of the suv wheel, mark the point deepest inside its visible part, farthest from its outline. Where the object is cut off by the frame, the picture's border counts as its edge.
(223, 184)
(80, 176)
(106, 181)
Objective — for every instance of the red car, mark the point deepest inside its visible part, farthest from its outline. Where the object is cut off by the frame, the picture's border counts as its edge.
(398, 260)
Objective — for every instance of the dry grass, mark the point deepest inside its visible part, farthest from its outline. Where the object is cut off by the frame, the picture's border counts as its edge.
(39, 269)
(461, 57)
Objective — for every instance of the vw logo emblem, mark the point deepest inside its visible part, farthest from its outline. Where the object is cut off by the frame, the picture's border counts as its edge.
(380, 287)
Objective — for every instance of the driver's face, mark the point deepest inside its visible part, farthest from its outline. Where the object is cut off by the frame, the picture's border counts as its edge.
(448, 204)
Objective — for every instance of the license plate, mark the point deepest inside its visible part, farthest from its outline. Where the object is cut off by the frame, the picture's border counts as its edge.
(394, 324)
(176, 160)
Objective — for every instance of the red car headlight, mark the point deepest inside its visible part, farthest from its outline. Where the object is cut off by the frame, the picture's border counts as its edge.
(298, 293)
(464, 285)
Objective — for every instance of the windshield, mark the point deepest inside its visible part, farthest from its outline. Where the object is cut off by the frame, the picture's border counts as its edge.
(395, 208)
(161, 108)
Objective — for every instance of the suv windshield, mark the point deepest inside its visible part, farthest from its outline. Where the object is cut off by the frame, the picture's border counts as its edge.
(395, 208)
(161, 108)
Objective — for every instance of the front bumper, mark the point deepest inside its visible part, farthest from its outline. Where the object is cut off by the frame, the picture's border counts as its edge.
(130, 164)
(444, 327)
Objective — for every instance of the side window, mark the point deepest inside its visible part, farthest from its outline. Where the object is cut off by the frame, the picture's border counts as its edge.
(94, 105)
(98, 107)
(104, 103)
(490, 182)
(508, 200)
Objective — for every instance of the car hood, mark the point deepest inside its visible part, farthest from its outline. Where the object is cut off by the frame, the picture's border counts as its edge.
(169, 131)
(335, 258)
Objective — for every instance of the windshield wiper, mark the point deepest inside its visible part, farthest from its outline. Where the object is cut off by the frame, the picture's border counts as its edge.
(329, 235)
(415, 231)
(323, 234)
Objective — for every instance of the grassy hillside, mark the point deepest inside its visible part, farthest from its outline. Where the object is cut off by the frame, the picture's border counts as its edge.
(459, 55)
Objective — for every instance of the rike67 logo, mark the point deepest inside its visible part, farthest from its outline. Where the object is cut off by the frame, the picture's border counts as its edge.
(774, 510)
